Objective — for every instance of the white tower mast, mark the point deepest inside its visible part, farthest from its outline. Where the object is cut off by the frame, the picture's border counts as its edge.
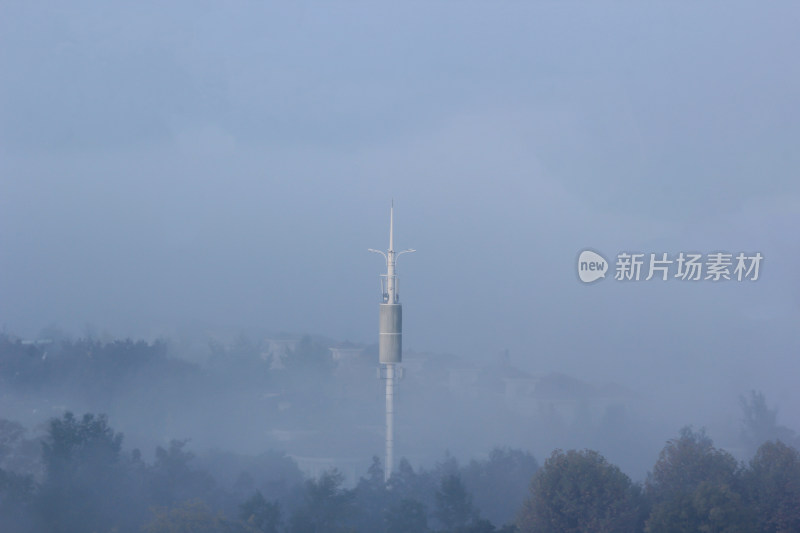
(390, 336)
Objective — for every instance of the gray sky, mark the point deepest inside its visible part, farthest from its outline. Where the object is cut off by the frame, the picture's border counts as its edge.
(228, 164)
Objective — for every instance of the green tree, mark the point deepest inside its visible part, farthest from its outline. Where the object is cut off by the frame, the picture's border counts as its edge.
(696, 487)
(454, 507)
(579, 491)
(371, 498)
(82, 488)
(481, 525)
(326, 506)
(174, 480)
(411, 485)
(500, 484)
(70, 443)
(260, 515)
(407, 516)
(16, 499)
(190, 517)
(773, 485)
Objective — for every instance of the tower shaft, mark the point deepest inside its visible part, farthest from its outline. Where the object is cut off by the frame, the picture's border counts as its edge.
(387, 473)
(390, 337)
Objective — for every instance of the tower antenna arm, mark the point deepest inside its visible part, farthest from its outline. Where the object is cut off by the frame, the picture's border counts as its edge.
(379, 252)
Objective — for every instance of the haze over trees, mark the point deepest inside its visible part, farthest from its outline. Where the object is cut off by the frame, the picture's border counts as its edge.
(91, 482)
(77, 472)
(211, 174)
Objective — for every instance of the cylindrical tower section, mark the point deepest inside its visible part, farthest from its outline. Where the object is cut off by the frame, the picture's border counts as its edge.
(390, 347)
(387, 473)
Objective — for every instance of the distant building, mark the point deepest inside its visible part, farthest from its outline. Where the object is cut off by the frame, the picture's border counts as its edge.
(346, 354)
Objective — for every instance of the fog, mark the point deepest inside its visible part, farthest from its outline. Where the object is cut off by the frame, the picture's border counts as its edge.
(210, 176)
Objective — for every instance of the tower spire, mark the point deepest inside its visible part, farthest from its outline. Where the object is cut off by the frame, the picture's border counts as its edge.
(391, 227)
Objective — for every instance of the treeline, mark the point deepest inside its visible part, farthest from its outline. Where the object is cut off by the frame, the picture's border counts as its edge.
(104, 366)
(85, 481)
(693, 487)
(94, 369)
(96, 372)
(88, 483)
(78, 477)
(157, 396)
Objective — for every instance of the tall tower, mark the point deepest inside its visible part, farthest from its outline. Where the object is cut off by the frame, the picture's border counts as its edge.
(390, 336)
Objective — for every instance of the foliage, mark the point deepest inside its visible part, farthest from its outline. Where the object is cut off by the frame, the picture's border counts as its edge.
(94, 369)
(91, 485)
(760, 423)
(191, 517)
(580, 491)
(408, 484)
(696, 487)
(499, 485)
(371, 498)
(173, 479)
(78, 478)
(16, 499)
(11, 433)
(262, 516)
(70, 443)
(773, 485)
(82, 472)
(326, 506)
(17, 453)
(453, 503)
(407, 516)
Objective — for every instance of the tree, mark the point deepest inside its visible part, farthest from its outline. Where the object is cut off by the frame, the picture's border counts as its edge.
(18, 454)
(695, 487)
(70, 442)
(11, 434)
(82, 488)
(773, 485)
(172, 478)
(326, 505)
(406, 483)
(407, 516)
(371, 499)
(481, 525)
(16, 498)
(262, 516)
(192, 516)
(500, 484)
(579, 491)
(453, 503)
(760, 423)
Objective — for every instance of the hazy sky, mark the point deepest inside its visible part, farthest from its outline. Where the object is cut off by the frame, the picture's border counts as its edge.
(227, 164)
